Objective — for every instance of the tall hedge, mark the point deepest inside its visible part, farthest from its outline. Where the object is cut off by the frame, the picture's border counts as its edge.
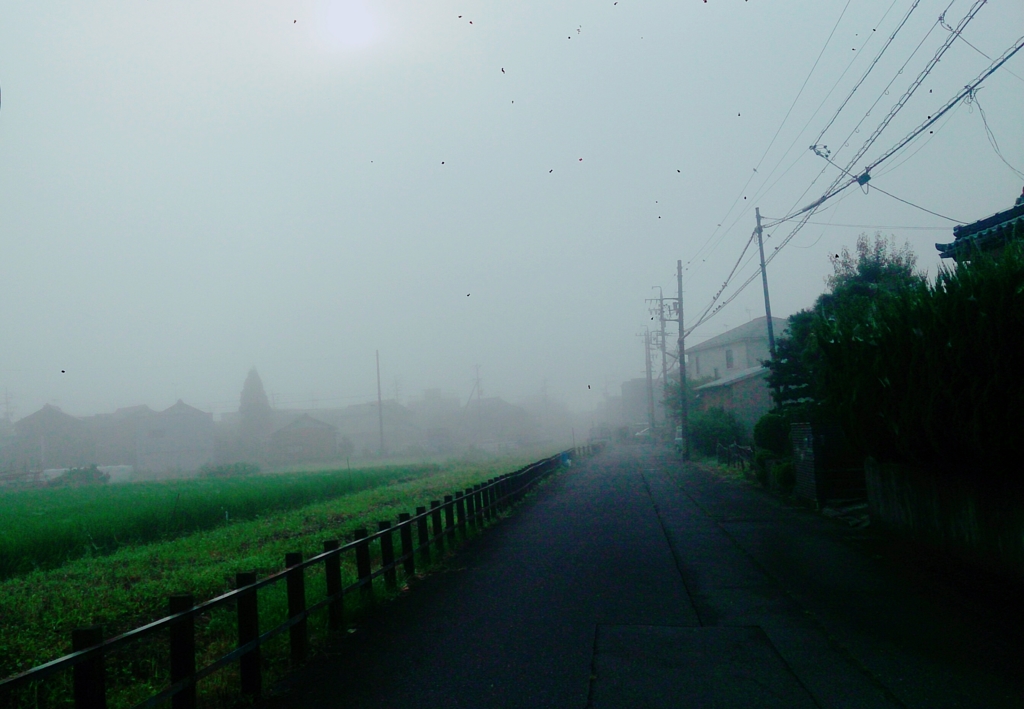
(935, 377)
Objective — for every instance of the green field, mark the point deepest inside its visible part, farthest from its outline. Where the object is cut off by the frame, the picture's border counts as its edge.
(45, 528)
(130, 586)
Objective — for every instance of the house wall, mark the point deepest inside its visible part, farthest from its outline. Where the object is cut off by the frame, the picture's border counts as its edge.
(749, 399)
(745, 354)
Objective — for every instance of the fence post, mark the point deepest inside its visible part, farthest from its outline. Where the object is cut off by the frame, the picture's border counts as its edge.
(423, 535)
(387, 554)
(470, 499)
(90, 685)
(296, 581)
(491, 498)
(435, 518)
(460, 509)
(478, 495)
(502, 492)
(332, 570)
(248, 630)
(449, 519)
(408, 554)
(363, 564)
(183, 651)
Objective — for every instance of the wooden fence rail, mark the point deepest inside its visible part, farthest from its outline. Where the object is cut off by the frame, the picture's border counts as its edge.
(460, 514)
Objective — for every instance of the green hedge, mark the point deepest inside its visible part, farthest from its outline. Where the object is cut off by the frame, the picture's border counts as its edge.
(934, 378)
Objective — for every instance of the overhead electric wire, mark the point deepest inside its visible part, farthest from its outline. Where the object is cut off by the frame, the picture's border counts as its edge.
(838, 185)
(967, 91)
(906, 96)
(991, 136)
(764, 191)
(923, 144)
(871, 66)
(806, 212)
(1016, 76)
(697, 254)
(885, 92)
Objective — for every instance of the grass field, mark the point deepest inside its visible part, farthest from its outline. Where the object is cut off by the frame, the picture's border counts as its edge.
(130, 586)
(45, 528)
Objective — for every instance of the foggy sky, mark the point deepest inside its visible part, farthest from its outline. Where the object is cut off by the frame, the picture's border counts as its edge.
(191, 189)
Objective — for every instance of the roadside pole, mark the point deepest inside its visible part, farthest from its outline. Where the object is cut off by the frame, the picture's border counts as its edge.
(764, 282)
(380, 407)
(650, 383)
(684, 418)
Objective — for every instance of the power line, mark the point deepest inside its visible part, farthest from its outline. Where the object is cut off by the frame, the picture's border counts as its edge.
(772, 142)
(967, 91)
(991, 136)
(763, 190)
(871, 66)
(1016, 76)
(898, 106)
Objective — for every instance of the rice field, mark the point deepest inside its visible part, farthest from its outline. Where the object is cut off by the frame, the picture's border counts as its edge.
(131, 585)
(45, 528)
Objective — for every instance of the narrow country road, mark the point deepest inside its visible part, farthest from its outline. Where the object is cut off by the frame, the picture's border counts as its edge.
(633, 580)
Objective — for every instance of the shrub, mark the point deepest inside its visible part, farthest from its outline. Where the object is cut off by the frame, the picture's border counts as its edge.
(714, 426)
(783, 476)
(76, 477)
(763, 459)
(771, 433)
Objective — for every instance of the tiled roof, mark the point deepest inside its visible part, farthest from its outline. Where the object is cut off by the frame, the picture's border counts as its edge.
(985, 233)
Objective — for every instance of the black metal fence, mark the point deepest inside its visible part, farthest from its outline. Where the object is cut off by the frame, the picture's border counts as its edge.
(420, 536)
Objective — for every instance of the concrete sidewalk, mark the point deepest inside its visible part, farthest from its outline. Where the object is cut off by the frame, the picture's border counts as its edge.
(633, 581)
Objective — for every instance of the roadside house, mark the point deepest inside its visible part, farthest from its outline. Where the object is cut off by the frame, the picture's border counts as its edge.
(733, 360)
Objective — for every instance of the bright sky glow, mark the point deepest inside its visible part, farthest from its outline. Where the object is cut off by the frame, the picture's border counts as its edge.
(346, 25)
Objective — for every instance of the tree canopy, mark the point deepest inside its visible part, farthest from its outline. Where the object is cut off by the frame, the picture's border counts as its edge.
(877, 269)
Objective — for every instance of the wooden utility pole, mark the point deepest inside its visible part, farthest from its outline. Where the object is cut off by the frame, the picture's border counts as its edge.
(650, 382)
(684, 418)
(764, 282)
(380, 407)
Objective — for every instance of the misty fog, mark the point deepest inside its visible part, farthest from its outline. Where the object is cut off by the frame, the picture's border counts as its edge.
(192, 194)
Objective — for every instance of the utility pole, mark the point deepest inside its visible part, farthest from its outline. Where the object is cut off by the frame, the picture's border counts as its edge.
(684, 417)
(664, 357)
(477, 389)
(650, 383)
(380, 407)
(764, 282)
(662, 339)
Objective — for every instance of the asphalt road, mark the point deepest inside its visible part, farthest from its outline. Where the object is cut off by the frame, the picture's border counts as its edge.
(633, 580)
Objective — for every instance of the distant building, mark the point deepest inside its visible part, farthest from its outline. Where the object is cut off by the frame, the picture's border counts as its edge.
(304, 440)
(116, 435)
(988, 235)
(178, 439)
(49, 438)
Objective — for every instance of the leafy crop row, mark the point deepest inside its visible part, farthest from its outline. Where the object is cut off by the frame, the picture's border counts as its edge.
(43, 529)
